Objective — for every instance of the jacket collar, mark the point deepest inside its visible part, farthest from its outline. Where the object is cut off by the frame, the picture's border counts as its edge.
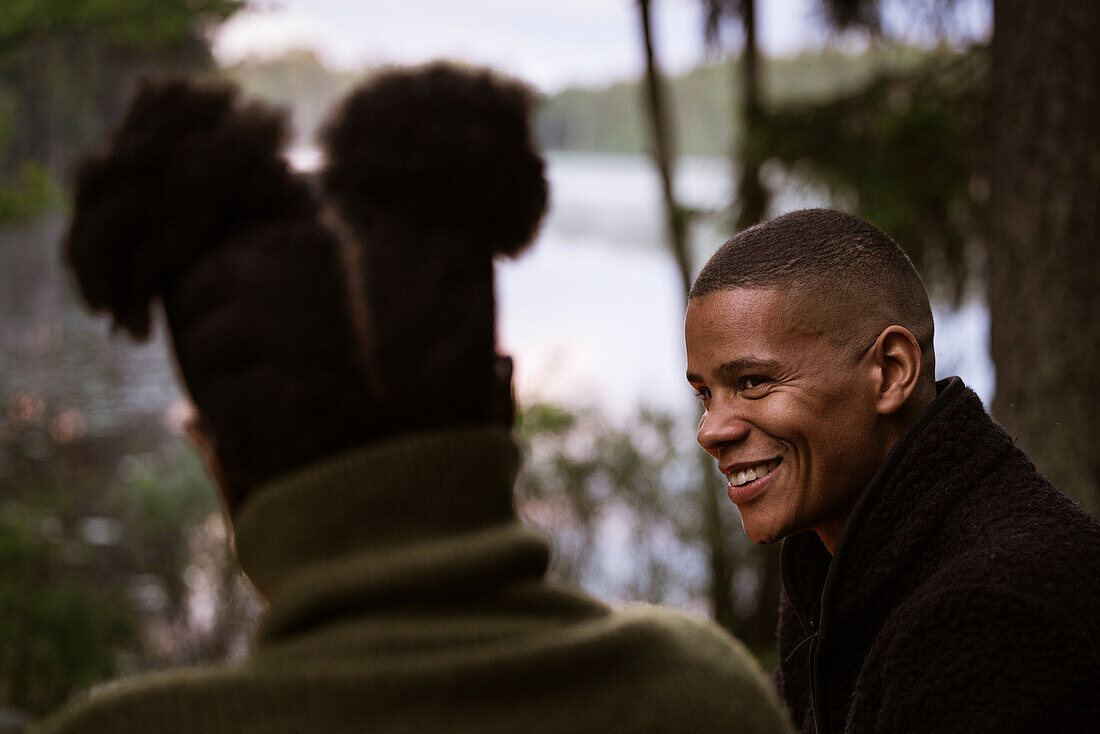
(909, 498)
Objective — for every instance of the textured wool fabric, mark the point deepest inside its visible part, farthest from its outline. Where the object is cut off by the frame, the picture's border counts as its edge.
(405, 597)
(962, 597)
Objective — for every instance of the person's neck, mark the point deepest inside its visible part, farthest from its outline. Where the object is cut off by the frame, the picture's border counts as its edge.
(892, 428)
(830, 534)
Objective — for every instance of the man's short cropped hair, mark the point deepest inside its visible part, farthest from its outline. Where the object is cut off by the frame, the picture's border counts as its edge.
(834, 258)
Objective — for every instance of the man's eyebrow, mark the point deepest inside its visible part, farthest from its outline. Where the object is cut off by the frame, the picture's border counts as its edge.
(737, 366)
(744, 364)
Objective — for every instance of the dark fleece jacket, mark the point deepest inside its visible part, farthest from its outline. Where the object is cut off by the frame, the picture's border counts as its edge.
(962, 597)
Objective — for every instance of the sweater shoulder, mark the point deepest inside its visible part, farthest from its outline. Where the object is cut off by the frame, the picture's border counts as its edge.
(677, 636)
(139, 704)
(706, 669)
(636, 668)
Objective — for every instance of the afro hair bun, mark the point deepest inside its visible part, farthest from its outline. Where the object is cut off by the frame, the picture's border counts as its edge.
(440, 146)
(187, 167)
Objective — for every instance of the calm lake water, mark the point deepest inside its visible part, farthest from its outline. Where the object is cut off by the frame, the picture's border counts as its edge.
(592, 313)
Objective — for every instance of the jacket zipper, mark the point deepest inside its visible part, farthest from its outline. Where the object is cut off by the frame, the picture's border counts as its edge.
(813, 684)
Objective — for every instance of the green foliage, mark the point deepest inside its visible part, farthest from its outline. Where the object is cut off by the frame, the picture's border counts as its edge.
(621, 504)
(889, 18)
(300, 82)
(545, 419)
(703, 101)
(157, 496)
(66, 67)
(59, 627)
(901, 152)
(96, 542)
(139, 24)
(593, 120)
(33, 193)
(607, 119)
(615, 502)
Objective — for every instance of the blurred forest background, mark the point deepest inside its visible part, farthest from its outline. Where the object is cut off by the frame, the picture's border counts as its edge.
(980, 158)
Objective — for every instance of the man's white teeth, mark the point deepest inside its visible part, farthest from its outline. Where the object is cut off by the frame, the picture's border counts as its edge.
(745, 476)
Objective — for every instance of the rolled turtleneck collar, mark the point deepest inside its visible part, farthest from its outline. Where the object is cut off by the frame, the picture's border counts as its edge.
(370, 525)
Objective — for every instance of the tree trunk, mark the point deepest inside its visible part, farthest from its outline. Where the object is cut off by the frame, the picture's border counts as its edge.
(752, 198)
(1044, 236)
(709, 489)
(758, 631)
(662, 152)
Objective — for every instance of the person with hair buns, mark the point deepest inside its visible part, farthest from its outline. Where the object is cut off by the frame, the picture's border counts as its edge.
(933, 581)
(336, 335)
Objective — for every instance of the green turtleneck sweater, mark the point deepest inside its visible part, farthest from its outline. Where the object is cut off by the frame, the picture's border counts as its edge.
(405, 597)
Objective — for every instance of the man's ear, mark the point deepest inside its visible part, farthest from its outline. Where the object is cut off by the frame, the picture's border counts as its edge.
(897, 357)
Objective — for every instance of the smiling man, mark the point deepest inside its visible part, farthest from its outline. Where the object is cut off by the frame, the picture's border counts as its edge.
(933, 580)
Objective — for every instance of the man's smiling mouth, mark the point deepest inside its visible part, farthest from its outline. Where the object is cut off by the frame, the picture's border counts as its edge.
(744, 476)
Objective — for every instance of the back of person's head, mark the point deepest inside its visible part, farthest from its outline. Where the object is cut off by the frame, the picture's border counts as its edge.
(838, 264)
(434, 171)
(306, 318)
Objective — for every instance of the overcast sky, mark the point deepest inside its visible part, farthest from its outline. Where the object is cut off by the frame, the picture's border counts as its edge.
(550, 43)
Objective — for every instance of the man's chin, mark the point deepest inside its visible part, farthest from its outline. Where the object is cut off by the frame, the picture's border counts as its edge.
(760, 535)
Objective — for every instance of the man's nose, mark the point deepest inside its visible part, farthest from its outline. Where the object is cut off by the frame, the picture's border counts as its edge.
(719, 427)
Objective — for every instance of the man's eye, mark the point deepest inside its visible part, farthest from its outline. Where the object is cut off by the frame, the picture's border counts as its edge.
(702, 394)
(753, 381)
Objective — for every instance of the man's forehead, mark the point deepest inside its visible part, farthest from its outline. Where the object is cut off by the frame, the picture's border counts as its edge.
(735, 330)
(744, 309)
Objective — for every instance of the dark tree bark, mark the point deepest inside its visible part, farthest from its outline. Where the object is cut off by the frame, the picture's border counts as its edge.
(752, 197)
(1044, 236)
(710, 489)
(752, 202)
(663, 155)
